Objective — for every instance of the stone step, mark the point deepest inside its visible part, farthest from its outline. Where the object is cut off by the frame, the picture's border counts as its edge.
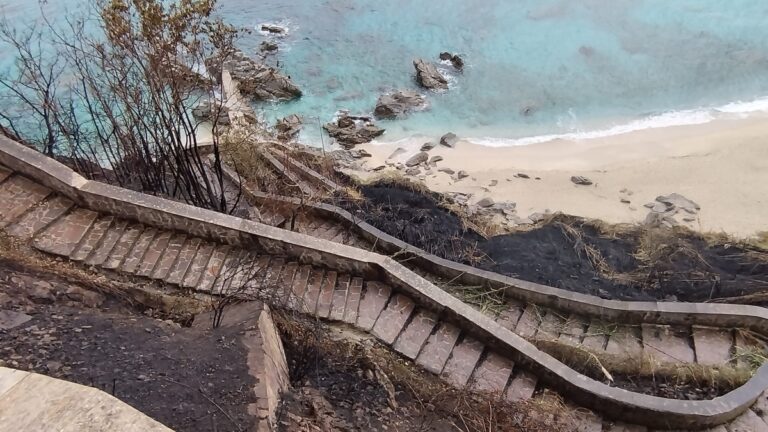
(153, 254)
(492, 374)
(521, 387)
(285, 284)
(551, 326)
(573, 331)
(529, 322)
(299, 288)
(325, 300)
(353, 300)
(312, 295)
(339, 301)
(748, 422)
(183, 261)
(416, 333)
(596, 337)
(393, 318)
(713, 346)
(92, 238)
(213, 269)
(63, 235)
(136, 255)
(623, 427)
(107, 242)
(625, 342)
(271, 277)
(667, 344)
(438, 348)
(509, 317)
(228, 271)
(374, 300)
(464, 358)
(257, 274)
(198, 265)
(123, 247)
(40, 217)
(168, 257)
(18, 195)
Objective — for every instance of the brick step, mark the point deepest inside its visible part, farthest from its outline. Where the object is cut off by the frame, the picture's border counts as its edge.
(39, 217)
(18, 195)
(64, 234)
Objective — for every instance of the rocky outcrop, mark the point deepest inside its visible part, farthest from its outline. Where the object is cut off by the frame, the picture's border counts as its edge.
(349, 133)
(455, 60)
(417, 159)
(428, 76)
(207, 110)
(288, 127)
(255, 80)
(398, 104)
(671, 210)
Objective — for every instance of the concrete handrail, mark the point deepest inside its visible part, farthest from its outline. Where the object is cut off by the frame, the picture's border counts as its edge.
(614, 402)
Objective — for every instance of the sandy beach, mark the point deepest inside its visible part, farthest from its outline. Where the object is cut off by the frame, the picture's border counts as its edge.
(722, 166)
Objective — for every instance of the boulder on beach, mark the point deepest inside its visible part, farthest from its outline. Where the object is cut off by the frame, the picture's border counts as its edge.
(348, 133)
(581, 180)
(449, 140)
(398, 104)
(435, 159)
(417, 159)
(255, 80)
(428, 76)
(455, 60)
(397, 153)
(428, 146)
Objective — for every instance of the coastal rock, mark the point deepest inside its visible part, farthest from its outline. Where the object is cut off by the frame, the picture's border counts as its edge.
(428, 146)
(428, 76)
(398, 104)
(435, 159)
(522, 176)
(268, 47)
(413, 171)
(257, 80)
(379, 168)
(462, 175)
(449, 140)
(581, 180)
(455, 60)
(447, 171)
(273, 28)
(207, 110)
(288, 127)
(348, 134)
(417, 159)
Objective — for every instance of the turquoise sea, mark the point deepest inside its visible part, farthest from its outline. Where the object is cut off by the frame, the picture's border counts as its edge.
(586, 67)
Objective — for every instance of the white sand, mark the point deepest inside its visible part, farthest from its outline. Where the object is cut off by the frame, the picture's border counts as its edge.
(722, 165)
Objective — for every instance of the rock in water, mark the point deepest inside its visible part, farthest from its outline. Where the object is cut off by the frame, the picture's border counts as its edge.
(348, 134)
(257, 80)
(417, 159)
(581, 180)
(449, 140)
(267, 46)
(288, 127)
(273, 28)
(455, 60)
(428, 76)
(398, 104)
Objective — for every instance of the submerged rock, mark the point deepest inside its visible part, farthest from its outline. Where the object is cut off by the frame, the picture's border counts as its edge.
(428, 76)
(273, 28)
(254, 79)
(348, 134)
(398, 104)
(268, 46)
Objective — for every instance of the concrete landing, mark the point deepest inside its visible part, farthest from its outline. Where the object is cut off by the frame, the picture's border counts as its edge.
(30, 402)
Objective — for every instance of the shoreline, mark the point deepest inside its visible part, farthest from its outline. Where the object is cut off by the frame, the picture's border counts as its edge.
(722, 165)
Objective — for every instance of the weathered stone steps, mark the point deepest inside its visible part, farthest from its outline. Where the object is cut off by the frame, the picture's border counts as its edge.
(448, 350)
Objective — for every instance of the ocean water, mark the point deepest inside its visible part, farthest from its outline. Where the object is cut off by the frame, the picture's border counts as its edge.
(585, 68)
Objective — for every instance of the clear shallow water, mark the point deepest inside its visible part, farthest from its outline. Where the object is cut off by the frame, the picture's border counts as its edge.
(588, 67)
